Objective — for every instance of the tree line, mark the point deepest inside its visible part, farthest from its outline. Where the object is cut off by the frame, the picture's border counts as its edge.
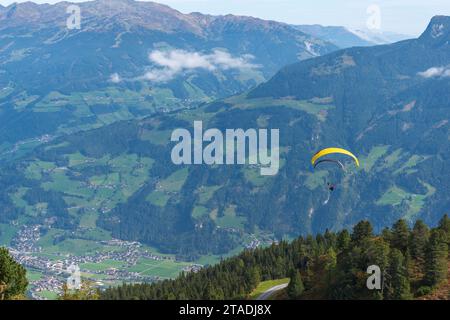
(333, 265)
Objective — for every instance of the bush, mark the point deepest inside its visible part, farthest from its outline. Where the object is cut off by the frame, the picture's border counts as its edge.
(423, 291)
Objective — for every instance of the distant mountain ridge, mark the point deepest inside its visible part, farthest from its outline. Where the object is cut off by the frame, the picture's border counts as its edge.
(149, 15)
(345, 38)
(377, 37)
(44, 64)
(340, 36)
(145, 14)
(157, 16)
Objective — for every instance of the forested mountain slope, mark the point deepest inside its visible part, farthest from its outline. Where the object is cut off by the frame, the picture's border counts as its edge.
(388, 104)
(413, 263)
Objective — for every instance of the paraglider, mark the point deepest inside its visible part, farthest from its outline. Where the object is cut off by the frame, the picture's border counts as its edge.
(329, 151)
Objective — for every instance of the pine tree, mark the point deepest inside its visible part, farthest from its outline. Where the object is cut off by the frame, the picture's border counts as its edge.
(375, 252)
(13, 280)
(436, 258)
(362, 230)
(295, 288)
(398, 286)
(329, 272)
(214, 292)
(400, 236)
(386, 234)
(253, 277)
(444, 225)
(343, 240)
(330, 259)
(330, 238)
(418, 242)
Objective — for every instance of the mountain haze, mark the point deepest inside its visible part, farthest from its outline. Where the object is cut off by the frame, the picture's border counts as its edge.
(345, 38)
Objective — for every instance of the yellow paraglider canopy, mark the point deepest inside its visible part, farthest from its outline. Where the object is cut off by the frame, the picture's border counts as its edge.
(326, 151)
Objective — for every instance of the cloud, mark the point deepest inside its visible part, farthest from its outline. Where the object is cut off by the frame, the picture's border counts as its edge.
(170, 64)
(115, 78)
(442, 72)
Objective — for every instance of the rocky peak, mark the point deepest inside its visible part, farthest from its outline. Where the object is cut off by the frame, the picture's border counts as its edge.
(438, 30)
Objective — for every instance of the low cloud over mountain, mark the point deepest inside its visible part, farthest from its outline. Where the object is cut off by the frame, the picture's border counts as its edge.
(436, 72)
(175, 62)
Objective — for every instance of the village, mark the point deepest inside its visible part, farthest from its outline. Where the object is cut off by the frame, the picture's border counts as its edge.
(51, 270)
(55, 272)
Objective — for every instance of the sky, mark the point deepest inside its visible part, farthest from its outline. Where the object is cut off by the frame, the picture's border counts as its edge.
(408, 17)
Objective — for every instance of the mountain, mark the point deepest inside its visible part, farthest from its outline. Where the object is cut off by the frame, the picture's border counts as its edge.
(392, 68)
(379, 37)
(389, 104)
(128, 59)
(345, 38)
(340, 36)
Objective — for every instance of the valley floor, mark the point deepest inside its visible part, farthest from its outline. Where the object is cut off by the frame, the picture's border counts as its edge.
(47, 253)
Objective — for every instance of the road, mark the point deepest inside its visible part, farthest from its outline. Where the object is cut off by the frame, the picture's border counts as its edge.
(266, 294)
